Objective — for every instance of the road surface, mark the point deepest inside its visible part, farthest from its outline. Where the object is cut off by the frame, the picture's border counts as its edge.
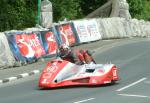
(133, 61)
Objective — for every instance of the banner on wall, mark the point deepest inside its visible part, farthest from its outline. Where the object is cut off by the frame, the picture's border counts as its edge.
(14, 48)
(29, 45)
(65, 31)
(26, 47)
(87, 30)
(49, 41)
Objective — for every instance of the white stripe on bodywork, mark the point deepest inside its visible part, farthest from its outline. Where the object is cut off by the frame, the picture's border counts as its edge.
(97, 67)
(82, 70)
(63, 71)
(107, 68)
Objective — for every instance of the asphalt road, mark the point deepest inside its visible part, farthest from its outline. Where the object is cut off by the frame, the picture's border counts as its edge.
(133, 59)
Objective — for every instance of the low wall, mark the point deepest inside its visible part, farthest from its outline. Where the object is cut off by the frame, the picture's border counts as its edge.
(6, 56)
(15, 46)
(121, 28)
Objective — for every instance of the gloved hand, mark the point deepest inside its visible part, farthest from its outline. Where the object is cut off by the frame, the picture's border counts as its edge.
(59, 59)
(79, 63)
(84, 62)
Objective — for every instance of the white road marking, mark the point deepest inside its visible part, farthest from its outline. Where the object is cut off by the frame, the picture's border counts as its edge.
(131, 84)
(36, 71)
(12, 78)
(84, 100)
(24, 74)
(147, 82)
(1, 81)
(131, 95)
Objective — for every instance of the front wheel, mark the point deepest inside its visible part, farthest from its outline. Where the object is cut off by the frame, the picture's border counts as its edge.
(113, 82)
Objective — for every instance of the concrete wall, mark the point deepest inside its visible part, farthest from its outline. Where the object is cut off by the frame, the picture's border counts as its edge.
(6, 56)
(116, 27)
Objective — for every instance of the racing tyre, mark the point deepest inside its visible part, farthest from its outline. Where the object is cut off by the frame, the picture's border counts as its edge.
(113, 82)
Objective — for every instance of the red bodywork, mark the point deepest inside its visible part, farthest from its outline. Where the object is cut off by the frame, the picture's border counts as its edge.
(59, 73)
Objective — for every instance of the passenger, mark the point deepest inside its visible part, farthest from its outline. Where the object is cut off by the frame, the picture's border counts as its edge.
(78, 57)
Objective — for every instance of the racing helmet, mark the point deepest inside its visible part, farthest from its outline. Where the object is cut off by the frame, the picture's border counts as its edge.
(64, 49)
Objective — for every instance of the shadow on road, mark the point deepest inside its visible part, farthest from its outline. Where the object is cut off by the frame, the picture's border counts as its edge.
(78, 86)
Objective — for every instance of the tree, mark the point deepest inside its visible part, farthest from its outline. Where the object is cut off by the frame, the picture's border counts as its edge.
(136, 7)
(88, 6)
(69, 9)
(17, 14)
(140, 9)
(20, 14)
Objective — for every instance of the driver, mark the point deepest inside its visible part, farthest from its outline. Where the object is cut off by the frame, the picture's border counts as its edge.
(78, 57)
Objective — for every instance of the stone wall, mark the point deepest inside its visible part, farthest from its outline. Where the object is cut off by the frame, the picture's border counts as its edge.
(6, 56)
(113, 8)
(117, 27)
(103, 11)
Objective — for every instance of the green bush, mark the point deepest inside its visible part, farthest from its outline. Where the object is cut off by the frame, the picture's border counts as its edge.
(17, 14)
(140, 9)
(20, 14)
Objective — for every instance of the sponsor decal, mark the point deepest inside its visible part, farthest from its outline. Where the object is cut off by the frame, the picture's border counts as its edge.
(94, 81)
(115, 73)
(53, 68)
(46, 75)
(107, 82)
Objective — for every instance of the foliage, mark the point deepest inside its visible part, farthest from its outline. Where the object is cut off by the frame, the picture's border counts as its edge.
(69, 9)
(140, 9)
(87, 6)
(19, 14)
(74, 9)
